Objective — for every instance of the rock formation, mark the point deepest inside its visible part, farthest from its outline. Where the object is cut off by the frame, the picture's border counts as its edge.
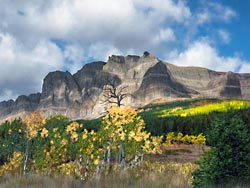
(80, 96)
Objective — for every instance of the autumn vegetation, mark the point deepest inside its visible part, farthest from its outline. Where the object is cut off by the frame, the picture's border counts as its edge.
(125, 145)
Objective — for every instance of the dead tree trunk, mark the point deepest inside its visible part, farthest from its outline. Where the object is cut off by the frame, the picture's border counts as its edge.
(114, 94)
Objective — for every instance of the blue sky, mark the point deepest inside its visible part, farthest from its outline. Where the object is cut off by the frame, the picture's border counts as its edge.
(238, 28)
(37, 37)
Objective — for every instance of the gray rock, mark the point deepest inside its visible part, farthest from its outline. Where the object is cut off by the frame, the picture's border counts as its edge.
(92, 75)
(60, 89)
(6, 107)
(146, 79)
(231, 86)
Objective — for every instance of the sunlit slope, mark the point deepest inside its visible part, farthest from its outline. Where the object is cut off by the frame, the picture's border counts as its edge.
(195, 107)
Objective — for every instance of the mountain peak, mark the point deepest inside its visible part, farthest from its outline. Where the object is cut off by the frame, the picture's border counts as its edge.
(145, 77)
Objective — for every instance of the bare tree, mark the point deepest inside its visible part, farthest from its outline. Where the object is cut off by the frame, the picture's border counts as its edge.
(114, 94)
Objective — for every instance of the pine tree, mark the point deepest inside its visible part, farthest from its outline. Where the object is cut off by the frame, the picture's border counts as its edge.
(227, 163)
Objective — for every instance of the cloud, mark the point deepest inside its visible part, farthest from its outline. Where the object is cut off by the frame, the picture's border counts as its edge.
(74, 56)
(245, 67)
(201, 53)
(23, 68)
(215, 12)
(88, 29)
(102, 51)
(224, 35)
(203, 17)
(224, 13)
(37, 36)
(7, 95)
(125, 23)
(160, 11)
(165, 35)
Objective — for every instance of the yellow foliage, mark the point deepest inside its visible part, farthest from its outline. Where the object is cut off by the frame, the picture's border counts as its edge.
(13, 164)
(124, 125)
(74, 136)
(71, 129)
(44, 133)
(156, 142)
(64, 142)
(96, 161)
(71, 168)
(172, 138)
(85, 134)
(74, 126)
(34, 123)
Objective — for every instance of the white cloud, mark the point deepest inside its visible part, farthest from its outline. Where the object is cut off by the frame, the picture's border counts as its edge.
(96, 29)
(224, 35)
(215, 12)
(88, 28)
(159, 10)
(22, 68)
(125, 22)
(223, 12)
(203, 17)
(202, 54)
(164, 35)
(244, 68)
(102, 51)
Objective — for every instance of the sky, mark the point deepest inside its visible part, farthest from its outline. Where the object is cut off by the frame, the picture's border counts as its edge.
(38, 36)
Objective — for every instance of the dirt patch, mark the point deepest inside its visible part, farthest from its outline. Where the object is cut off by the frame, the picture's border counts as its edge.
(180, 153)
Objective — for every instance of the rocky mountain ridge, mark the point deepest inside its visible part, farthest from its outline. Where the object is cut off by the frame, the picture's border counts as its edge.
(80, 96)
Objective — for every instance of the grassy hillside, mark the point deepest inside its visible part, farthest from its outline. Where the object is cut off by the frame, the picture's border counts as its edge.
(192, 116)
(189, 116)
(194, 107)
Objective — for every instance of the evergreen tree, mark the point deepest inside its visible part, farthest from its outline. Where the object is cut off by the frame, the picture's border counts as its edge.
(228, 160)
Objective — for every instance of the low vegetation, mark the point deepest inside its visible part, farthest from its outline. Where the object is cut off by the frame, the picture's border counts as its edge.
(190, 116)
(228, 160)
(152, 147)
(59, 146)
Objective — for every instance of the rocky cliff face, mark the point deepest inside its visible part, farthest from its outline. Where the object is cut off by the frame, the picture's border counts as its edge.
(80, 96)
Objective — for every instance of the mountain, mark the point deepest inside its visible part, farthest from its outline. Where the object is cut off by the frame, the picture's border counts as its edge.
(146, 79)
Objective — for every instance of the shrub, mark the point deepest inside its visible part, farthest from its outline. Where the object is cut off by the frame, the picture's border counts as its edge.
(12, 136)
(228, 160)
(179, 138)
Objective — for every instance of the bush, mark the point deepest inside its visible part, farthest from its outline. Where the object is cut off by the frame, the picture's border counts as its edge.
(12, 136)
(228, 160)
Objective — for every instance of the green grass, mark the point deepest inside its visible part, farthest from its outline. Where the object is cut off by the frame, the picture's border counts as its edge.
(195, 107)
(191, 116)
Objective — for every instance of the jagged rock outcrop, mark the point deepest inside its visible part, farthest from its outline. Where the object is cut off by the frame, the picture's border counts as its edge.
(231, 86)
(245, 85)
(14, 109)
(159, 79)
(92, 76)
(60, 89)
(60, 94)
(80, 96)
